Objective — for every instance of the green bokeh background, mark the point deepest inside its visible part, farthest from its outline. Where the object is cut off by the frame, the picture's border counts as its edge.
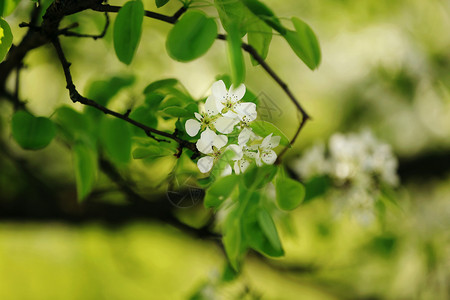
(385, 67)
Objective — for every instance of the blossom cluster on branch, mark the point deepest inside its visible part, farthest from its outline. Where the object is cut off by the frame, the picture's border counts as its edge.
(359, 167)
(224, 124)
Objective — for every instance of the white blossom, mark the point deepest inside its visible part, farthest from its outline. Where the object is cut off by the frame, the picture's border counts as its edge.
(210, 118)
(264, 152)
(229, 102)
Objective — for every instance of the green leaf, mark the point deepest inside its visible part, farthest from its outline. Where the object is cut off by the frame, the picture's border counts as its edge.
(151, 152)
(191, 37)
(159, 84)
(231, 13)
(316, 187)
(30, 132)
(260, 10)
(7, 7)
(145, 115)
(177, 112)
(259, 37)
(290, 193)
(268, 227)
(229, 274)
(235, 55)
(233, 240)
(85, 165)
(127, 30)
(304, 43)
(220, 190)
(115, 135)
(264, 128)
(153, 100)
(254, 234)
(257, 177)
(74, 124)
(161, 3)
(6, 38)
(102, 91)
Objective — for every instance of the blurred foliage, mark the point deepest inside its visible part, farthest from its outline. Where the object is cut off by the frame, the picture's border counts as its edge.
(385, 66)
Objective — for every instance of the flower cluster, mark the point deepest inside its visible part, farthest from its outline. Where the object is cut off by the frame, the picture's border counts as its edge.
(224, 124)
(357, 164)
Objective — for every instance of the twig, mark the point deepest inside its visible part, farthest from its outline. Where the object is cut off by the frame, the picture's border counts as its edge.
(76, 97)
(150, 14)
(68, 33)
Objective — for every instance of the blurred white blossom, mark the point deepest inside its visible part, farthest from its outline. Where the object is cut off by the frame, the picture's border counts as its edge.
(358, 165)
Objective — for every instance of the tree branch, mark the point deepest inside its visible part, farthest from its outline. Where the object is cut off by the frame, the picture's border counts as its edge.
(68, 33)
(76, 97)
(150, 14)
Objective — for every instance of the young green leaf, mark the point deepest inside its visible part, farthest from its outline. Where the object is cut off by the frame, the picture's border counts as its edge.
(233, 240)
(231, 13)
(159, 84)
(128, 29)
(220, 190)
(191, 37)
(268, 227)
(30, 132)
(7, 7)
(151, 152)
(115, 135)
(257, 236)
(85, 165)
(161, 3)
(73, 124)
(304, 43)
(290, 193)
(260, 10)
(259, 37)
(235, 55)
(176, 112)
(264, 128)
(316, 187)
(102, 91)
(6, 38)
(143, 114)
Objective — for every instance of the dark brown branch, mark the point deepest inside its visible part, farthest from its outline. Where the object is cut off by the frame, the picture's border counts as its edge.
(150, 14)
(67, 32)
(76, 97)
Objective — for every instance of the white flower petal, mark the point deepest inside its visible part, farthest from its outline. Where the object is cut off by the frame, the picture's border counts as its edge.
(210, 106)
(225, 125)
(274, 141)
(237, 93)
(205, 164)
(244, 136)
(246, 111)
(244, 164)
(192, 127)
(219, 90)
(237, 151)
(269, 157)
(226, 171)
(236, 167)
(220, 141)
(258, 160)
(232, 115)
(266, 142)
(206, 141)
(198, 116)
